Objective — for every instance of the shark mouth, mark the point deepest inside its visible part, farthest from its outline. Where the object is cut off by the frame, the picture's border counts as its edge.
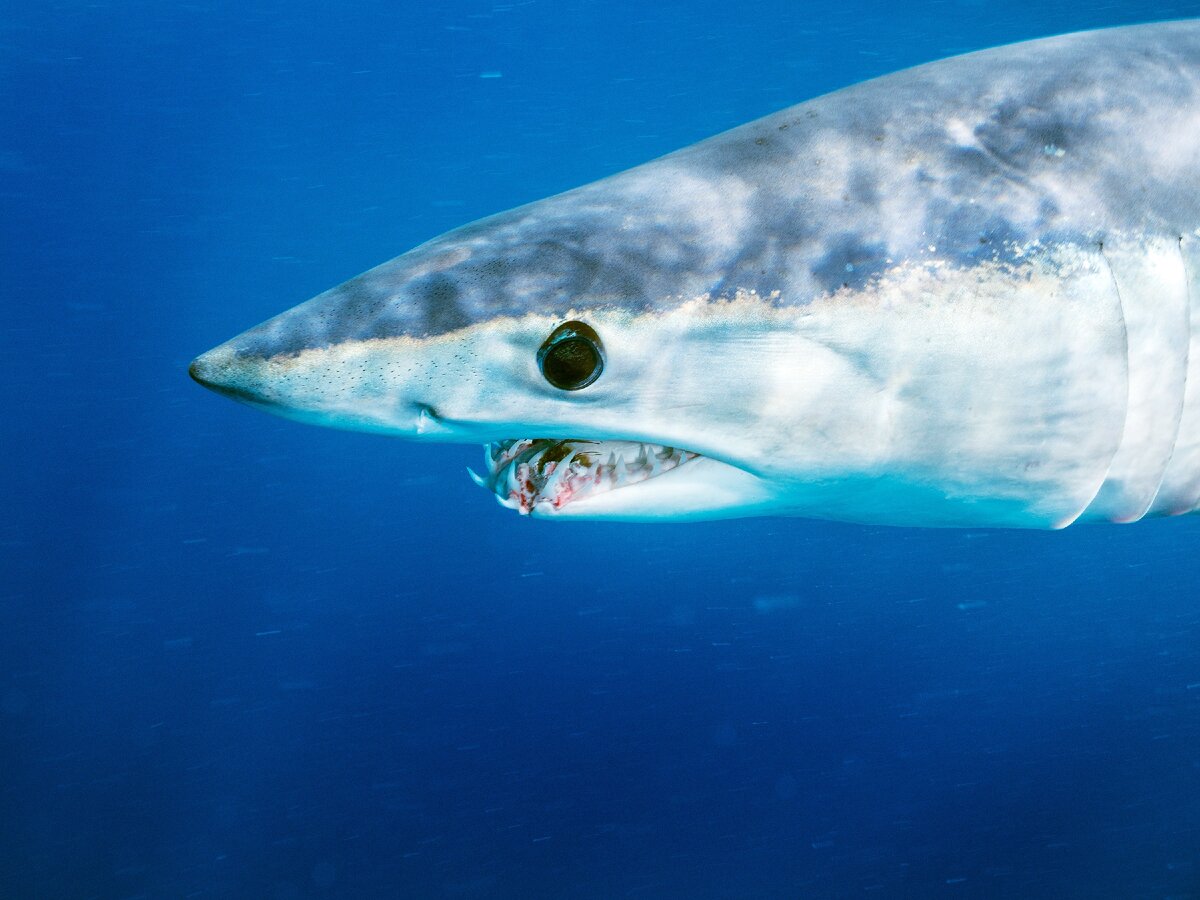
(531, 474)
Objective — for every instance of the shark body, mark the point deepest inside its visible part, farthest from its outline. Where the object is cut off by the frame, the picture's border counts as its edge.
(967, 293)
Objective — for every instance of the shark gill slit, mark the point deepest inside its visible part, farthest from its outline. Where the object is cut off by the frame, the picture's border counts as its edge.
(1179, 491)
(1191, 325)
(1125, 340)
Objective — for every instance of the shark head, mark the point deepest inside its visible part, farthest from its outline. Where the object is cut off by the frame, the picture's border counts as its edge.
(954, 295)
(686, 341)
(577, 339)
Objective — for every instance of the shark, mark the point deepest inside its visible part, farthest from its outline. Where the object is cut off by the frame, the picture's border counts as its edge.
(962, 294)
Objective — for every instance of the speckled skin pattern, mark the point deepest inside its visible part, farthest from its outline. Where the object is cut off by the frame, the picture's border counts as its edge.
(1061, 139)
(963, 294)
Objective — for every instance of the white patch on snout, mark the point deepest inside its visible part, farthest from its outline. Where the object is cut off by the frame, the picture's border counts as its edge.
(714, 205)
(962, 133)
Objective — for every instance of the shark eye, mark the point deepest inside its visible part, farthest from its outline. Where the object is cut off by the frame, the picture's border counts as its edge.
(572, 357)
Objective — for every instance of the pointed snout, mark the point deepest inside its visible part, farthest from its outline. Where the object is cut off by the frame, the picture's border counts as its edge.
(334, 387)
(216, 371)
(203, 372)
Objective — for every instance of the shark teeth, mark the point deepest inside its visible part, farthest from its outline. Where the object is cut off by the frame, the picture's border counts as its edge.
(527, 472)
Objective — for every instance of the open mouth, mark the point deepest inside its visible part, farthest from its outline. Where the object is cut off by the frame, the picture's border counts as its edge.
(527, 473)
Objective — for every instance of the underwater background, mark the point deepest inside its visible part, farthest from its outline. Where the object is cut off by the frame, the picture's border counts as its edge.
(241, 657)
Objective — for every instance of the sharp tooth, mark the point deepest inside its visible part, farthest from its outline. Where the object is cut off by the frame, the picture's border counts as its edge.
(620, 470)
(512, 450)
(478, 479)
(549, 488)
(513, 484)
(542, 503)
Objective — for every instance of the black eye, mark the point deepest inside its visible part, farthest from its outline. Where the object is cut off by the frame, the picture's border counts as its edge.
(572, 357)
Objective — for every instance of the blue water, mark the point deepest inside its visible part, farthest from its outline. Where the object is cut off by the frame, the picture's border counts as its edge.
(241, 657)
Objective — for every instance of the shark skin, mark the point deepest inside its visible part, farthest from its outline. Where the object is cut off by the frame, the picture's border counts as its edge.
(964, 294)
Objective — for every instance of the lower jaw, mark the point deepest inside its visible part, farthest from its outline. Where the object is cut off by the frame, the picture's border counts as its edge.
(700, 489)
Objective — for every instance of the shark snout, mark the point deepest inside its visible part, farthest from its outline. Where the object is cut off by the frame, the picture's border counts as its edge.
(215, 371)
(203, 372)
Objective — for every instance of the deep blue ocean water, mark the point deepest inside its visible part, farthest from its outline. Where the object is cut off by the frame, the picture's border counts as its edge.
(241, 657)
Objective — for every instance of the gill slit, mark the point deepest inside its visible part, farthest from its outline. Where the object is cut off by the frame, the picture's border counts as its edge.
(1112, 277)
(1188, 299)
